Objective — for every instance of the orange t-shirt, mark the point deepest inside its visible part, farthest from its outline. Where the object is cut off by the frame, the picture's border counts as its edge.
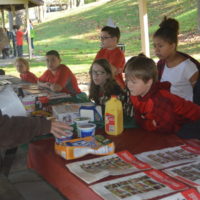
(29, 77)
(116, 58)
(63, 77)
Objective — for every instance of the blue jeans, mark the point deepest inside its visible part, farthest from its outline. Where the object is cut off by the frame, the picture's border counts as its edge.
(19, 51)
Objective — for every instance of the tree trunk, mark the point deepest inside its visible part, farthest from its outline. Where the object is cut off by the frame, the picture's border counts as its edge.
(198, 17)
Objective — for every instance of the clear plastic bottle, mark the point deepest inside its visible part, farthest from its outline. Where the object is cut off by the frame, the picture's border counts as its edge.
(114, 116)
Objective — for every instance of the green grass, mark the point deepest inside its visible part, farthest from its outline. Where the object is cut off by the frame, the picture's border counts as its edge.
(75, 34)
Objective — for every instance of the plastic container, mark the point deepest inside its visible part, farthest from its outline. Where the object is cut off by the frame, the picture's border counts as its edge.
(85, 130)
(93, 112)
(64, 138)
(29, 103)
(82, 120)
(114, 116)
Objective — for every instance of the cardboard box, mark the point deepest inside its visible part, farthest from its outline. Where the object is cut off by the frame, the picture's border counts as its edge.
(67, 112)
(76, 148)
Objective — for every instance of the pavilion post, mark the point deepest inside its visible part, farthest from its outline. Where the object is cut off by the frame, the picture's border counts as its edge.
(144, 27)
(3, 18)
(28, 30)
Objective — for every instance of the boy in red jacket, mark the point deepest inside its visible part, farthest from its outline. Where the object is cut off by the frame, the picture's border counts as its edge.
(156, 109)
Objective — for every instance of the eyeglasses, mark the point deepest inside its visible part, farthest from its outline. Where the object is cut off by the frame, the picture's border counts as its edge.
(104, 37)
(97, 73)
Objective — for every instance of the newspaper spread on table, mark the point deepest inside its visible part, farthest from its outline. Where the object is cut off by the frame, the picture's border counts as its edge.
(144, 185)
(190, 194)
(187, 173)
(117, 164)
(172, 156)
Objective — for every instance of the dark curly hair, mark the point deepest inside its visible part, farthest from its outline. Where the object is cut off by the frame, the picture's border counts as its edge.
(168, 30)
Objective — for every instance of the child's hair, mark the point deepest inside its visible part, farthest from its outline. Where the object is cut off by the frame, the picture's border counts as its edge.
(113, 32)
(142, 67)
(168, 30)
(53, 53)
(22, 60)
(17, 26)
(94, 89)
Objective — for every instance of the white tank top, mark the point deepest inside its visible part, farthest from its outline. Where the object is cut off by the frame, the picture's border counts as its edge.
(179, 77)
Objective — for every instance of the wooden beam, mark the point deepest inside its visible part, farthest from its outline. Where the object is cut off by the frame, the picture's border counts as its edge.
(3, 18)
(9, 2)
(144, 27)
(28, 29)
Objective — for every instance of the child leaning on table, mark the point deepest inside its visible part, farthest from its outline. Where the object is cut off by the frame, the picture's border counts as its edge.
(58, 77)
(22, 67)
(156, 109)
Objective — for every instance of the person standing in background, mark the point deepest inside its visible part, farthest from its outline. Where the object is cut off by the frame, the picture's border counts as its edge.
(19, 40)
(109, 37)
(32, 34)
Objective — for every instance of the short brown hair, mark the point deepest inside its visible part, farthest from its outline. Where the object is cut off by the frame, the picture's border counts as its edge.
(22, 60)
(53, 53)
(142, 67)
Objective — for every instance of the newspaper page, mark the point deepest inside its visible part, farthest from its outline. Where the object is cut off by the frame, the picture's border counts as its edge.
(144, 185)
(172, 156)
(190, 194)
(188, 173)
(117, 164)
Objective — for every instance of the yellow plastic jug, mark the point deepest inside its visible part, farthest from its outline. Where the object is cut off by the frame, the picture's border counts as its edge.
(113, 116)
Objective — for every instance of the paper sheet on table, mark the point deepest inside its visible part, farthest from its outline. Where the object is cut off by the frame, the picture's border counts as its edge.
(10, 104)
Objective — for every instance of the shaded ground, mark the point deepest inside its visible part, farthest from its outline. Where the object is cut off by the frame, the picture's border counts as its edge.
(192, 37)
(83, 78)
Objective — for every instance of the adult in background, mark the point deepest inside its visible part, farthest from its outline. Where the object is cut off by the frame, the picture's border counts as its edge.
(178, 68)
(4, 42)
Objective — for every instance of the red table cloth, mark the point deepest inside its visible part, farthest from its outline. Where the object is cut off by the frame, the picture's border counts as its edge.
(42, 158)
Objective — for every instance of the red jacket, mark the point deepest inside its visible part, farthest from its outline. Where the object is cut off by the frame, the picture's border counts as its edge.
(159, 110)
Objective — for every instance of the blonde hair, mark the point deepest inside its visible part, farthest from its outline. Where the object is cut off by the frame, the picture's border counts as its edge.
(23, 61)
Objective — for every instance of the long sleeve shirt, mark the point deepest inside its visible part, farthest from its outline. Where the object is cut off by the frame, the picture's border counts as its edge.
(159, 110)
(19, 130)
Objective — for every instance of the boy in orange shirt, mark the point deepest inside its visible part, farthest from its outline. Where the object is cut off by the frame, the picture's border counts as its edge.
(109, 39)
(58, 77)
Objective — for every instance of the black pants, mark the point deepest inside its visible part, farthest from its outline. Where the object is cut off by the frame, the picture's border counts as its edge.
(190, 130)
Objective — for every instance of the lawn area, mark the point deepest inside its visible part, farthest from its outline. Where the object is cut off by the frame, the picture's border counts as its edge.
(75, 33)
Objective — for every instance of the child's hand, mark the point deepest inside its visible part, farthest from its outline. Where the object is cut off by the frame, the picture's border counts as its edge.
(55, 87)
(58, 129)
(154, 123)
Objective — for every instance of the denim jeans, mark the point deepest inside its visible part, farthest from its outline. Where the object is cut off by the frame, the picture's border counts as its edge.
(19, 51)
